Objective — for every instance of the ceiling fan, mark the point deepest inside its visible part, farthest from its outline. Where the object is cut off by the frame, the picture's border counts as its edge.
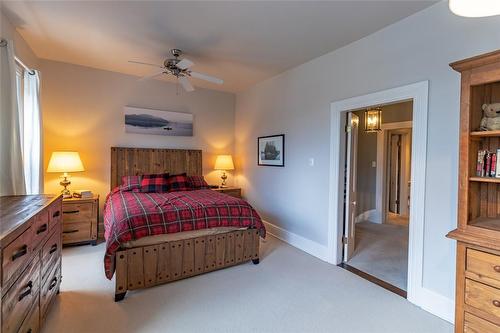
(180, 68)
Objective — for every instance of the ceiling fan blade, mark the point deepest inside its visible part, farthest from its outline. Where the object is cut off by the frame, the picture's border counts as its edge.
(144, 63)
(184, 64)
(186, 84)
(147, 77)
(206, 77)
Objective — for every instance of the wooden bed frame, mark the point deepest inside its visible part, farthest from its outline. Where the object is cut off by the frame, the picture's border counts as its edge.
(146, 266)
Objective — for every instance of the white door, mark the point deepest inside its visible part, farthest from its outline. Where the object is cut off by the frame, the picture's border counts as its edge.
(350, 200)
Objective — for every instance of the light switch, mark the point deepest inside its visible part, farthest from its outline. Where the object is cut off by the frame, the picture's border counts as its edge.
(374, 164)
(311, 161)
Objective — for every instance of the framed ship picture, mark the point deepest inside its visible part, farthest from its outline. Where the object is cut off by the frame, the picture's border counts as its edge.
(271, 150)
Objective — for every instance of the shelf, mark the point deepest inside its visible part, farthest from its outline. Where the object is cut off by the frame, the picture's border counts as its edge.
(485, 179)
(485, 133)
(486, 223)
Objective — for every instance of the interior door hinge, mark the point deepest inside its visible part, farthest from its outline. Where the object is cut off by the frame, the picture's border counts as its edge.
(345, 240)
(348, 128)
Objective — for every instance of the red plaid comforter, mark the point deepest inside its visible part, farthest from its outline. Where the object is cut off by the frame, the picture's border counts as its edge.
(132, 215)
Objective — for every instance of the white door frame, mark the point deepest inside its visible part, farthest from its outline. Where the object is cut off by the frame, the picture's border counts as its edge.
(380, 197)
(418, 92)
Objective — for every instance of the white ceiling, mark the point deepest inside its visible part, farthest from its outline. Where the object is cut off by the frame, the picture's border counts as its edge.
(240, 42)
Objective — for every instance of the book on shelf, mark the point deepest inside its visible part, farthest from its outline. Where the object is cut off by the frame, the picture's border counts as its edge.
(487, 164)
(83, 194)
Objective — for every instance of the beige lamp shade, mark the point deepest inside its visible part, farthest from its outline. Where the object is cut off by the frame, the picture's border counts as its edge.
(65, 161)
(224, 162)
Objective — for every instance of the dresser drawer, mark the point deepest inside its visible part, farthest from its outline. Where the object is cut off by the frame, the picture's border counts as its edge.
(482, 297)
(55, 213)
(51, 251)
(20, 298)
(473, 324)
(49, 289)
(32, 322)
(16, 254)
(77, 212)
(76, 232)
(485, 267)
(40, 227)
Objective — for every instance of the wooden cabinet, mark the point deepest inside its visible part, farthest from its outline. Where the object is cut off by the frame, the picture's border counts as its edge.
(232, 191)
(80, 224)
(478, 232)
(30, 246)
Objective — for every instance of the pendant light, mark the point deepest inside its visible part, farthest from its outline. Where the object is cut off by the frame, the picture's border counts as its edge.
(475, 8)
(373, 120)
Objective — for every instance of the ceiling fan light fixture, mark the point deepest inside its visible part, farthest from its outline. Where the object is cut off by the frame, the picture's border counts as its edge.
(475, 8)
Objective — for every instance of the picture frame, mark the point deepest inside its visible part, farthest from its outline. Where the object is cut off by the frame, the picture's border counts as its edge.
(157, 122)
(271, 150)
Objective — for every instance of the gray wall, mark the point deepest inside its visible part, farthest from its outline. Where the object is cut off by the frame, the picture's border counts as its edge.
(367, 152)
(297, 103)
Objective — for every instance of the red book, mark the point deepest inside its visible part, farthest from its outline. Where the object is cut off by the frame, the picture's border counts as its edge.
(493, 168)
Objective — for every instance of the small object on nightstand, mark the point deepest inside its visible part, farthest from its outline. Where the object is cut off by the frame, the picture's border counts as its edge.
(232, 191)
(224, 163)
(80, 220)
(83, 194)
(65, 161)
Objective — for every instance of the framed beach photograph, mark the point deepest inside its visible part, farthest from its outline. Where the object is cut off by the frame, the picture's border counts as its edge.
(271, 150)
(157, 122)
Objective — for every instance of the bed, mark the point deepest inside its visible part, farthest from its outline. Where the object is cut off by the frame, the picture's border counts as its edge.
(156, 238)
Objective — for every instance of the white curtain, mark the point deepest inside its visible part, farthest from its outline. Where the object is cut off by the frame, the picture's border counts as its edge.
(32, 130)
(11, 161)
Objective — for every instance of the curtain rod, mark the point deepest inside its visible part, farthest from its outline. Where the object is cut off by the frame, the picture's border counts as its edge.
(30, 71)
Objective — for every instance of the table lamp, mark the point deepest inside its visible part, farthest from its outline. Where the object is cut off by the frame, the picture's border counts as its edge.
(65, 161)
(224, 163)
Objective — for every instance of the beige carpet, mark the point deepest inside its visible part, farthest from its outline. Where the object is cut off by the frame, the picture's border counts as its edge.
(382, 251)
(289, 291)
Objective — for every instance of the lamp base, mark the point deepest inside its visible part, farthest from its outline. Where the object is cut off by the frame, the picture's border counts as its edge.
(65, 183)
(223, 177)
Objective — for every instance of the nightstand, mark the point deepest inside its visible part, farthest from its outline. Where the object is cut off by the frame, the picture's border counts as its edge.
(232, 191)
(80, 220)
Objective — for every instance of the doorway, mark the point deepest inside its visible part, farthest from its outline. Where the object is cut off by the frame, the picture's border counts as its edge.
(376, 241)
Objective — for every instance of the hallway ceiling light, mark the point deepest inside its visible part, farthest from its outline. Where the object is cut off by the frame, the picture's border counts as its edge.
(475, 8)
(373, 120)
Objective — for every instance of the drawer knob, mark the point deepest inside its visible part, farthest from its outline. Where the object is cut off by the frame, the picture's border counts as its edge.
(26, 292)
(70, 231)
(496, 303)
(42, 228)
(496, 268)
(53, 248)
(71, 212)
(19, 253)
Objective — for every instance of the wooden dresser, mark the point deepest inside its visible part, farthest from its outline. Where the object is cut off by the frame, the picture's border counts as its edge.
(478, 232)
(30, 244)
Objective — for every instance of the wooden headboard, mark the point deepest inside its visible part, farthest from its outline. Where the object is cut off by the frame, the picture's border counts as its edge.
(138, 161)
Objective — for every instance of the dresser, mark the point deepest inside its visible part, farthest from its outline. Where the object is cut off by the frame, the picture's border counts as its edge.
(30, 245)
(80, 224)
(478, 232)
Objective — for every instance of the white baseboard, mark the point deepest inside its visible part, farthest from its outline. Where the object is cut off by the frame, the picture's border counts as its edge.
(304, 244)
(436, 304)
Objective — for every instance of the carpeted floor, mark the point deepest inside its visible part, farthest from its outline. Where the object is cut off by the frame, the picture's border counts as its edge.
(382, 251)
(289, 291)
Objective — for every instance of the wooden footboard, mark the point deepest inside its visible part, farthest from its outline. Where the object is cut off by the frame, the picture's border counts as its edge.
(146, 266)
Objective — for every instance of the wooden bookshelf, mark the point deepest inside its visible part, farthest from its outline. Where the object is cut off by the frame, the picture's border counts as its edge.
(480, 134)
(485, 179)
(478, 231)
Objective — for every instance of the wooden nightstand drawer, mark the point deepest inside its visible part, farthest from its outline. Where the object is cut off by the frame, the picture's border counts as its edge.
(76, 232)
(473, 324)
(484, 267)
(231, 191)
(77, 212)
(482, 297)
